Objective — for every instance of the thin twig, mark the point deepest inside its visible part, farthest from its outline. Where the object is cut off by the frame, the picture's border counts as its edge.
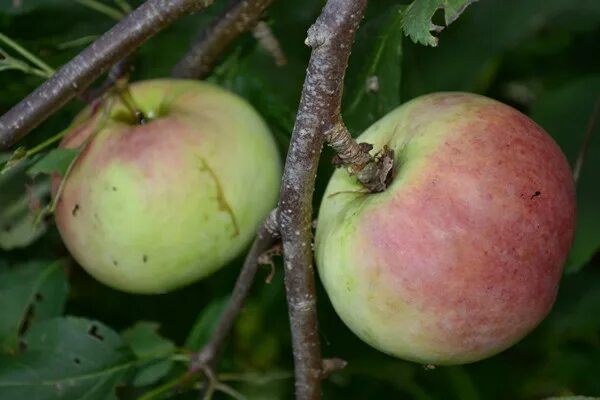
(33, 59)
(126, 36)
(331, 365)
(240, 17)
(265, 37)
(265, 237)
(331, 38)
(586, 140)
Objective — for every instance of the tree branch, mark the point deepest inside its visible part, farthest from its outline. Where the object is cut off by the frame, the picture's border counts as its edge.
(241, 16)
(266, 236)
(130, 33)
(331, 38)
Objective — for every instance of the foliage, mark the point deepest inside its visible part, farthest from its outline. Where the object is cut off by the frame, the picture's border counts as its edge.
(63, 334)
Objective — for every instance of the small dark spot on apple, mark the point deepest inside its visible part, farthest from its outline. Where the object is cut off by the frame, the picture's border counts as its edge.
(76, 360)
(145, 258)
(93, 331)
(536, 194)
(38, 297)
(115, 263)
(114, 188)
(75, 210)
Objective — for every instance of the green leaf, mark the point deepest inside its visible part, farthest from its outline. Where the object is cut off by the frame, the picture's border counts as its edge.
(67, 358)
(147, 344)
(565, 113)
(373, 87)
(473, 51)
(29, 293)
(205, 324)
(20, 201)
(145, 341)
(55, 161)
(417, 23)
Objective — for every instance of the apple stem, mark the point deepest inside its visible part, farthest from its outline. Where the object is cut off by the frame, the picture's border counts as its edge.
(239, 17)
(126, 36)
(122, 89)
(374, 172)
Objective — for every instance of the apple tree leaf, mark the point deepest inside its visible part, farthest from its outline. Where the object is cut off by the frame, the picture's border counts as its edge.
(67, 358)
(566, 114)
(373, 87)
(148, 344)
(55, 161)
(417, 18)
(29, 293)
(205, 324)
(21, 199)
(475, 49)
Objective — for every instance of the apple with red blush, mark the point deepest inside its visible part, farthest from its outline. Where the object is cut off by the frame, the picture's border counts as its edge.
(154, 204)
(461, 256)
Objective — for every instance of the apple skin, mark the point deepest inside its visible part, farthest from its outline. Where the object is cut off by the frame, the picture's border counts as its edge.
(150, 208)
(461, 256)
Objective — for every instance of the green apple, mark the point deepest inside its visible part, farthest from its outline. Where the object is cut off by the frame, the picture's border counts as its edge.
(461, 256)
(151, 207)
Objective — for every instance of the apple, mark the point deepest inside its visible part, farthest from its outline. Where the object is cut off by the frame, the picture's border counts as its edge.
(148, 208)
(461, 256)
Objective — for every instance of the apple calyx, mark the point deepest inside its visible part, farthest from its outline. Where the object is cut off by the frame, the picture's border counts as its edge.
(374, 172)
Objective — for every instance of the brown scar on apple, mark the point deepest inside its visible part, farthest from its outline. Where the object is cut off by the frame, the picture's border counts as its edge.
(221, 200)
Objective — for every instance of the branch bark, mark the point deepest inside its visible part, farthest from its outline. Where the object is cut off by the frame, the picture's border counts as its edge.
(130, 33)
(374, 172)
(240, 17)
(331, 38)
(266, 236)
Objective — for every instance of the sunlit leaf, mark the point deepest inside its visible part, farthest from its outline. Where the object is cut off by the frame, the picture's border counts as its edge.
(417, 23)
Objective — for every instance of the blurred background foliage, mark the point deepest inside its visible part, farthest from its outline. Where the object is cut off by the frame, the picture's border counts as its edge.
(540, 56)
